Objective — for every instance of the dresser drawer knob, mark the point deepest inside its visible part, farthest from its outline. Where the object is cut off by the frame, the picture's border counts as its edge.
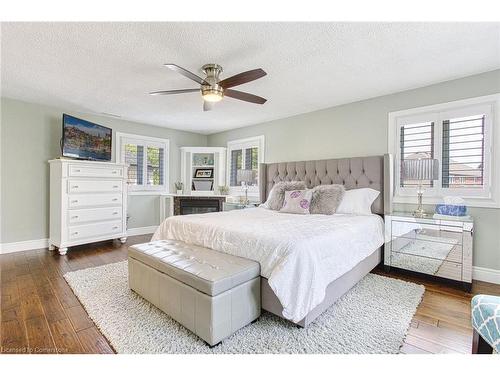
(115, 213)
(115, 199)
(74, 217)
(75, 233)
(114, 172)
(75, 201)
(77, 170)
(115, 227)
(115, 186)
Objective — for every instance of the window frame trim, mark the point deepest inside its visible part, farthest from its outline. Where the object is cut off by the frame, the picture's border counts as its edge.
(242, 143)
(146, 141)
(491, 197)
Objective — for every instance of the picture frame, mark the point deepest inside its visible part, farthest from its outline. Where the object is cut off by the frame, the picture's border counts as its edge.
(204, 173)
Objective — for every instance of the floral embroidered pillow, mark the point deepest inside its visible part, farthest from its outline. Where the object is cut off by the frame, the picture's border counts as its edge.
(277, 193)
(297, 201)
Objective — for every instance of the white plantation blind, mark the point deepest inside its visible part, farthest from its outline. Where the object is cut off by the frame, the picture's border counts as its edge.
(236, 162)
(247, 157)
(416, 142)
(154, 164)
(147, 160)
(463, 152)
(134, 156)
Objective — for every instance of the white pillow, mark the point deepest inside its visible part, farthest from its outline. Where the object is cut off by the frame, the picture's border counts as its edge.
(358, 201)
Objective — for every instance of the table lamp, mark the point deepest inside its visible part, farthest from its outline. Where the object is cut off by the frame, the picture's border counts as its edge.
(420, 170)
(245, 177)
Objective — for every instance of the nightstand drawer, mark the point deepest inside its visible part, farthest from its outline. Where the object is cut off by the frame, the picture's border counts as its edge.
(430, 266)
(427, 232)
(451, 251)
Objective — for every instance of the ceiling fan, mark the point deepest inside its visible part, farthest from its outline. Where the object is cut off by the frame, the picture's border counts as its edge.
(213, 89)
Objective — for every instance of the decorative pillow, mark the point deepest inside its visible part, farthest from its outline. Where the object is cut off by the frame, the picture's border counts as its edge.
(277, 194)
(326, 199)
(297, 201)
(358, 201)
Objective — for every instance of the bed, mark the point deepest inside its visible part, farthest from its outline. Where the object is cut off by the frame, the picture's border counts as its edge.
(307, 261)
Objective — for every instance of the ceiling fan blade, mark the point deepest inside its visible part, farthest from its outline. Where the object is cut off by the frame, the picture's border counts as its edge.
(207, 106)
(186, 73)
(240, 95)
(242, 78)
(170, 92)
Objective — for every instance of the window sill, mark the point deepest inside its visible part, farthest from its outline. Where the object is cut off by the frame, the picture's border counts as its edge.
(469, 202)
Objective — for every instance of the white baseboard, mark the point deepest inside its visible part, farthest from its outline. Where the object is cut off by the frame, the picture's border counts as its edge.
(141, 230)
(13, 247)
(489, 275)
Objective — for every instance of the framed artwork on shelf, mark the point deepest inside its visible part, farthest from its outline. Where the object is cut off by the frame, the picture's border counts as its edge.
(204, 173)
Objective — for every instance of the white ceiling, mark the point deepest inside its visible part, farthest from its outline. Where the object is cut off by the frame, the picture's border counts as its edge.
(110, 67)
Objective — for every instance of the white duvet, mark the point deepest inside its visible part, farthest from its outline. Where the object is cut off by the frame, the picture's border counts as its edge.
(298, 254)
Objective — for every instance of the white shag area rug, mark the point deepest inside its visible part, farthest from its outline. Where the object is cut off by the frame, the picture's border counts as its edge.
(373, 317)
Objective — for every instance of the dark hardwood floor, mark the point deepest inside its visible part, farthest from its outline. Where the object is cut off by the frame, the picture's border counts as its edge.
(40, 313)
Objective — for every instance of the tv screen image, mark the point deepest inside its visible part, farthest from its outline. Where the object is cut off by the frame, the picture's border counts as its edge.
(85, 140)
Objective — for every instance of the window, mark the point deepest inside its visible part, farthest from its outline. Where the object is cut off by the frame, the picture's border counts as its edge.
(244, 154)
(460, 136)
(147, 160)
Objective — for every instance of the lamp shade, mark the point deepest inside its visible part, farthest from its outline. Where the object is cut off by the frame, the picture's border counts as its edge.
(421, 169)
(245, 175)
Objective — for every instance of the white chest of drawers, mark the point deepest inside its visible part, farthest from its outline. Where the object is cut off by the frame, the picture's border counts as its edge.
(440, 248)
(88, 202)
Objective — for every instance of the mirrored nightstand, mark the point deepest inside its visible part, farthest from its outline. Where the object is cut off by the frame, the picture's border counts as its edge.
(436, 247)
(229, 206)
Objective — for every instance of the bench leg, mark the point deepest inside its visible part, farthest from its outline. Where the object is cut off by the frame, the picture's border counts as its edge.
(479, 345)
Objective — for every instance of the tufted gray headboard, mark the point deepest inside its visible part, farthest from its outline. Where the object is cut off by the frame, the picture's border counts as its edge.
(370, 171)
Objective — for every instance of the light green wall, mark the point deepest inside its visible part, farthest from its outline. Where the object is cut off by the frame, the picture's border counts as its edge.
(30, 135)
(360, 129)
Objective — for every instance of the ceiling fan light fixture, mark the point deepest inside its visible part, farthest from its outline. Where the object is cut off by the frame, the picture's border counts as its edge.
(213, 90)
(212, 95)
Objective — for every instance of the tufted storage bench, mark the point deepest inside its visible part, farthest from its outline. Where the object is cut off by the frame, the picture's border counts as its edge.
(212, 294)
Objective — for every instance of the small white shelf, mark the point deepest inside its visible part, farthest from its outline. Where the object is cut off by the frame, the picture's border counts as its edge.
(210, 158)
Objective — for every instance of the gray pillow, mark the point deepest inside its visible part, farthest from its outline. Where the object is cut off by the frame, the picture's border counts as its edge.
(277, 194)
(326, 199)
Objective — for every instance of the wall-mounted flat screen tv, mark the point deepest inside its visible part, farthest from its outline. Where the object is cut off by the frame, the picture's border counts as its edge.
(85, 140)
